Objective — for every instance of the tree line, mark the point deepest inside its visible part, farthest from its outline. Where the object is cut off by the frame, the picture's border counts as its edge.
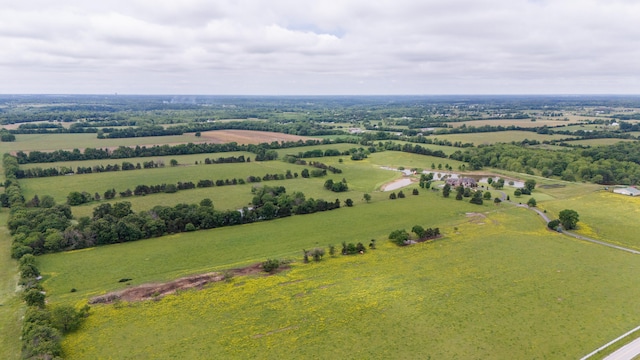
(38, 172)
(43, 325)
(123, 152)
(614, 164)
(78, 198)
(39, 230)
(302, 128)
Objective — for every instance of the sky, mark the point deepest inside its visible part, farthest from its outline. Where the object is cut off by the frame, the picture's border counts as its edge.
(328, 47)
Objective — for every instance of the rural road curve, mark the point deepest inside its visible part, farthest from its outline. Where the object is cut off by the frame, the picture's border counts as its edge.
(568, 233)
(580, 237)
(626, 352)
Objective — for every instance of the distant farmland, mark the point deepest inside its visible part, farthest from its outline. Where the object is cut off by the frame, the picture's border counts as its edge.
(248, 137)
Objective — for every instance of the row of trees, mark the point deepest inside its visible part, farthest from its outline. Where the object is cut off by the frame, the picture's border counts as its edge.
(123, 152)
(401, 194)
(615, 164)
(38, 172)
(42, 325)
(78, 198)
(295, 128)
(402, 237)
(42, 230)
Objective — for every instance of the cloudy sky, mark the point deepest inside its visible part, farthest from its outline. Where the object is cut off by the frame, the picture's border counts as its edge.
(279, 47)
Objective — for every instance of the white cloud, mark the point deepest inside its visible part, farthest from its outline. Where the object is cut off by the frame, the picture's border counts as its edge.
(313, 47)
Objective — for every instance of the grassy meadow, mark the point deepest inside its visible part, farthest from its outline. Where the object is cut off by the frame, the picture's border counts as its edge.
(523, 123)
(11, 306)
(92, 271)
(596, 142)
(497, 137)
(45, 142)
(498, 287)
(365, 176)
(183, 160)
(605, 216)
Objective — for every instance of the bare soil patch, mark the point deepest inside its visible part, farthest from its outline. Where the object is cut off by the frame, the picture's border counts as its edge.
(248, 137)
(398, 184)
(158, 291)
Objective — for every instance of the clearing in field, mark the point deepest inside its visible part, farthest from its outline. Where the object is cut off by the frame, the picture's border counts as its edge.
(248, 137)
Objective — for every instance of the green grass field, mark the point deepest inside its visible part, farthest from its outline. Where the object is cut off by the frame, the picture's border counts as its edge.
(523, 123)
(364, 176)
(497, 137)
(183, 160)
(81, 141)
(604, 215)
(11, 307)
(498, 287)
(583, 127)
(596, 142)
(94, 270)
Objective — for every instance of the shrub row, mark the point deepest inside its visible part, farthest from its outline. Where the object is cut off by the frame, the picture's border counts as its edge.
(42, 326)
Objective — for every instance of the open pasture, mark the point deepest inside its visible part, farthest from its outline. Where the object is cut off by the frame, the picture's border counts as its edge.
(604, 215)
(596, 142)
(583, 127)
(95, 270)
(365, 176)
(11, 306)
(248, 137)
(183, 160)
(448, 150)
(498, 287)
(523, 123)
(45, 142)
(123, 180)
(228, 196)
(296, 150)
(496, 137)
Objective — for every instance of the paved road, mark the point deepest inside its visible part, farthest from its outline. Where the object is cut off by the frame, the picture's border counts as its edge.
(627, 352)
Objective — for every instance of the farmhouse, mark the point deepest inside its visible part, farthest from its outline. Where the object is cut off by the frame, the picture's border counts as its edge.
(464, 181)
(629, 191)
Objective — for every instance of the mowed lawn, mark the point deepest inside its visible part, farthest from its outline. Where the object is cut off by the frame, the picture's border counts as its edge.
(500, 287)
